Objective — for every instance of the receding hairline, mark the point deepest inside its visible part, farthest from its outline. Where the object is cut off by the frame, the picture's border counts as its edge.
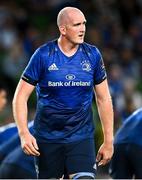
(64, 13)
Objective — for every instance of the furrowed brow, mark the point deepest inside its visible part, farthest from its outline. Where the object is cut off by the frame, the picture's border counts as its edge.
(77, 24)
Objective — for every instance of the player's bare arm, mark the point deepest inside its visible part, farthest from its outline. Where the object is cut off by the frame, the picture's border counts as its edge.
(22, 93)
(105, 110)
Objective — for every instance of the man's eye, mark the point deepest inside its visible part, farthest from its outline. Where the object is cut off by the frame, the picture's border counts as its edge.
(77, 24)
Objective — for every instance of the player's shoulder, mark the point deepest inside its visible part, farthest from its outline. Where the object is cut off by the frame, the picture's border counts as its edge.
(7, 126)
(93, 50)
(134, 118)
(47, 47)
(137, 113)
(90, 47)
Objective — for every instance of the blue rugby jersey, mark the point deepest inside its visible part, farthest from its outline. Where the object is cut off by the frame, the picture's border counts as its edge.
(23, 161)
(131, 130)
(64, 87)
(12, 142)
(7, 131)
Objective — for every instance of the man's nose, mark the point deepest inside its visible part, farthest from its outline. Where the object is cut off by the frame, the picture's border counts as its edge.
(82, 28)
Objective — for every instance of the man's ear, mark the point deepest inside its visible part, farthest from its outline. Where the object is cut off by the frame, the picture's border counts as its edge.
(62, 30)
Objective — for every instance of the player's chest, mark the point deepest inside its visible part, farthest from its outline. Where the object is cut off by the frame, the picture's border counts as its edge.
(62, 71)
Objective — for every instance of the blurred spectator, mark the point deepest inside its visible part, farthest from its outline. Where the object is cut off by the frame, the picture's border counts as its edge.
(3, 97)
(8, 33)
(14, 63)
(131, 99)
(130, 66)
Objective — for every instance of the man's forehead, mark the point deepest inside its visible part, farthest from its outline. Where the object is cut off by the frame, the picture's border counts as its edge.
(76, 17)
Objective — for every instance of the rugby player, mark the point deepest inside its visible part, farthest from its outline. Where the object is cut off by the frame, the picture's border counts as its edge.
(66, 72)
(127, 159)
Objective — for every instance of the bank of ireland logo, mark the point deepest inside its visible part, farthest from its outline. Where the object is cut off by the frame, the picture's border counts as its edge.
(70, 77)
(86, 66)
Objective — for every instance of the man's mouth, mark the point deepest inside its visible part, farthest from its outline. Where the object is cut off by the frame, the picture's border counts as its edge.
(81, 35)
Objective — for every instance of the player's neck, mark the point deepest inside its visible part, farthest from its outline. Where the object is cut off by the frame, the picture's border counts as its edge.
(67, 47)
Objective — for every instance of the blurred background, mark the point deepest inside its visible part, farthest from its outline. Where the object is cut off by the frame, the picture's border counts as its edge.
(114, 26)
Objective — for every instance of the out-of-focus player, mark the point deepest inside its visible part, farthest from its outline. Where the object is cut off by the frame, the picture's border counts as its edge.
(17, 165)
(127, 159)
(14, 163)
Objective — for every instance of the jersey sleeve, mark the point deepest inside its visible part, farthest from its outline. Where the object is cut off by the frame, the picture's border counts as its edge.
(32, 72)
(100, 72)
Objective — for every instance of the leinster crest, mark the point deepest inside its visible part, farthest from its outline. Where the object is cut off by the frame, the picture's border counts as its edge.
(86, 66)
